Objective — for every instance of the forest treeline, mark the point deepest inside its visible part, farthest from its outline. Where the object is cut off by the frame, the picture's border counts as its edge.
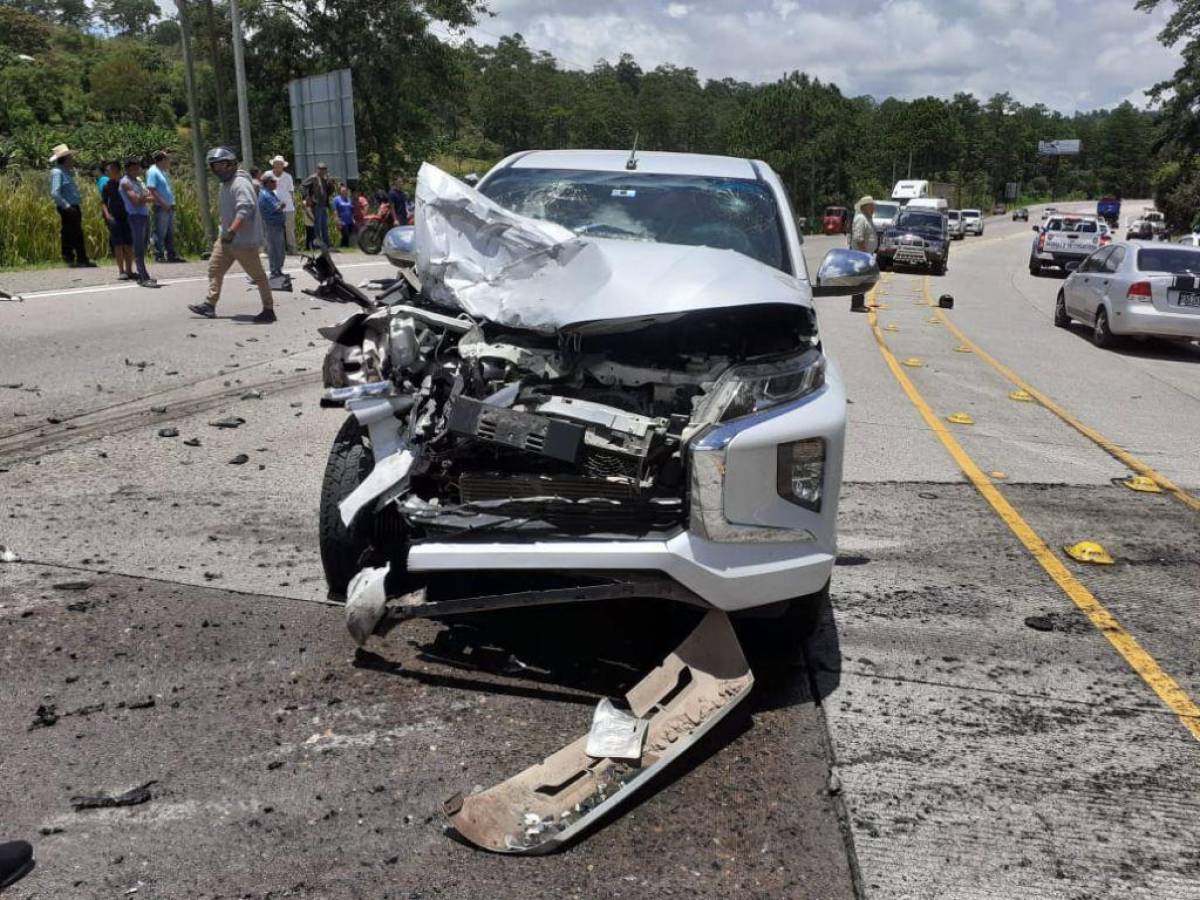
(107, 77)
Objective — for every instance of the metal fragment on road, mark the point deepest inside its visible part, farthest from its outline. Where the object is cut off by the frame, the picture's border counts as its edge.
(615, 734)
(1089, 552)
(132, 797)
(551, 802)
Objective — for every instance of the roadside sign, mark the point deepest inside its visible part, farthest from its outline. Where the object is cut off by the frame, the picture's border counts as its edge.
(1012, 190)
(323, 124)
(1059, 148)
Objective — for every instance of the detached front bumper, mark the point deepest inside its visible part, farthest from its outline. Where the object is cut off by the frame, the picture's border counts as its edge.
(747, 545)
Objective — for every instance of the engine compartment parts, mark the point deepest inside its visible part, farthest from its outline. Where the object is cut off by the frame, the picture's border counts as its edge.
(673, 706)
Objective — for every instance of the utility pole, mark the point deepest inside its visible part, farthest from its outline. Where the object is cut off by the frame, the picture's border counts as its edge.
(189, 80)
(909, 175)
(239, 71)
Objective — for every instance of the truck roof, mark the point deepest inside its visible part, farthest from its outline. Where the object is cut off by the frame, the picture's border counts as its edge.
(648, 163)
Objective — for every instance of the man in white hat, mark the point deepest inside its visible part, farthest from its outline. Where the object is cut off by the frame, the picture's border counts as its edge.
(285, 190)
(65, 193)
(864, 239)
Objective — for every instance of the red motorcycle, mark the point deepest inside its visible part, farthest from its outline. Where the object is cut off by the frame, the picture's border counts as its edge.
(375, 226)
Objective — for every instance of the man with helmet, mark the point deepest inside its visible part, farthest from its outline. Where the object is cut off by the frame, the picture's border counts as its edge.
(241, 235)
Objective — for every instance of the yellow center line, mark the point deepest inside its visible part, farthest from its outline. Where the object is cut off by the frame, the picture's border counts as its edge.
(1168, 690)
(1108, 446)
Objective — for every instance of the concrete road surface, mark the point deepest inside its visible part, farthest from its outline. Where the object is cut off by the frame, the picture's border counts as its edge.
(977, 716)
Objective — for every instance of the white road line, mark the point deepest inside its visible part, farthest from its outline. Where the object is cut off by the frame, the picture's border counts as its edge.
(130, 285)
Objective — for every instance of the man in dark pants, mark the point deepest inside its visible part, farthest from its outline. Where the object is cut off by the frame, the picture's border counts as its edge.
(65, 193)
(318, 192)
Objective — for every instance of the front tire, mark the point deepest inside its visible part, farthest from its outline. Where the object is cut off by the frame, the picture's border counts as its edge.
(370, 239)
(350, 462)
(1102, 335)
(1061, 319)
(1035, 268)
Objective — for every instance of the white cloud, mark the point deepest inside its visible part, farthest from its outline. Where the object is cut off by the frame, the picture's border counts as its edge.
(1067, 54)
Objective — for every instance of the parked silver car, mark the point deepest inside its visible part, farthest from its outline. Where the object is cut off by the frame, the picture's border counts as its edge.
(1133, 288)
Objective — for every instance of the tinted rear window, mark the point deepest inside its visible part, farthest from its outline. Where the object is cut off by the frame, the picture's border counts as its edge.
(911, 219)
(1172, 260)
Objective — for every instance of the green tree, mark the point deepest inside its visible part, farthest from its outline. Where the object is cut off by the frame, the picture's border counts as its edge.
(128, 17)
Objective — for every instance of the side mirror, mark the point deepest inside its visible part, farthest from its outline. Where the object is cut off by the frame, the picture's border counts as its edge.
(845, 272)
(399, 246)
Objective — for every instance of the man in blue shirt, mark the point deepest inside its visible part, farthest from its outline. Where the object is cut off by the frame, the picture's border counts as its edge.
(65, 193)
(162, 199)
(270, 207)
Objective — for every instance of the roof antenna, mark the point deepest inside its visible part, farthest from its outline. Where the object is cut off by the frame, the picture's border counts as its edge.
(631, 163)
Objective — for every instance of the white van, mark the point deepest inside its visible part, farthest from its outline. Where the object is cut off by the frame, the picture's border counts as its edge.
(928, 203)
(905, 191)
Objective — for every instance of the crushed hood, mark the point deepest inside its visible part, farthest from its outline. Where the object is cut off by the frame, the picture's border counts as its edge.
(519, 272)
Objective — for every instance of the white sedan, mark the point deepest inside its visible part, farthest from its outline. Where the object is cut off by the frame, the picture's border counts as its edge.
(1134, 288)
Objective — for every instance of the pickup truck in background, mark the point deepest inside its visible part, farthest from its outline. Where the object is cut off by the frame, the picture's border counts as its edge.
(1109, 209)
(1065, 241)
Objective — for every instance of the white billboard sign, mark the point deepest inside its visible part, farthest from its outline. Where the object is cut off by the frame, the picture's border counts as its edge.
(1059, 148)
(323, 125)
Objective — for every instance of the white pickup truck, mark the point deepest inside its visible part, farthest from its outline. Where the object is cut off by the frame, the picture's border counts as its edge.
(1065, 240)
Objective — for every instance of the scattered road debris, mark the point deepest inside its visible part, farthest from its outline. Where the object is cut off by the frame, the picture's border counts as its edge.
(168, 432)
(71, 585)
(1089, 552)
(228, 422)
(960, 419)
(1142, 483)
(133, 797)
(239, 460)
(46, 716)
(7, 554)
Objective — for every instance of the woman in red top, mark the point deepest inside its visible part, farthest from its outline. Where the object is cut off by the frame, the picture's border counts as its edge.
(361, 209)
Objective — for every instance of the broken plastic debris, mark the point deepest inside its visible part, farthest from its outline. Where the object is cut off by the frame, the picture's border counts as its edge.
(228, 422)
(960, 419)
(1089, 552)
(914, 362)
(615, 734)
(132, 797)
(1143, 483)
(366, 602)
(7, 554)
(551, 802)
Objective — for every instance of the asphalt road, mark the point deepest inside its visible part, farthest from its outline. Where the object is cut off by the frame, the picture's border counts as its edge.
(979, 716)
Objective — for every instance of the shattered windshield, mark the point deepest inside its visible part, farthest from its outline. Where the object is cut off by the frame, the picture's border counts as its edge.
(725, 213)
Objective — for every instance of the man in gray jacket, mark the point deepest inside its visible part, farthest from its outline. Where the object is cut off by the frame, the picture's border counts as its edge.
(241, 235)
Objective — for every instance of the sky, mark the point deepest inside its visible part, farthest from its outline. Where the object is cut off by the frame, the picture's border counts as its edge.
(1068, 54)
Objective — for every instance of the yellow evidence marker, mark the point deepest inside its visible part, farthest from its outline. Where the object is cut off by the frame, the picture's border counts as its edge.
(1089, 552)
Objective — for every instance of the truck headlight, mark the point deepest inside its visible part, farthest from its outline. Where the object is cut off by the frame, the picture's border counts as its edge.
(743, 390)
(800, 472)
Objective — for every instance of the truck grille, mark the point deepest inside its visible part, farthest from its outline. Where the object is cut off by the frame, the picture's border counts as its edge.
(477, 486)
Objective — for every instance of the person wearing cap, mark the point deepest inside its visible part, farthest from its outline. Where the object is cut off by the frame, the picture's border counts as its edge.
(65, 194)
(137, 202)
(864, 239)
(318, 191)
(270, 207)
(112, 207)
(285, 190)
(240, 238)
(162, 204)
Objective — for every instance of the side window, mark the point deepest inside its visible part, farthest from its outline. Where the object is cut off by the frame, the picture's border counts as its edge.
(1114, 260)
(1095, 262)
(1054, 225)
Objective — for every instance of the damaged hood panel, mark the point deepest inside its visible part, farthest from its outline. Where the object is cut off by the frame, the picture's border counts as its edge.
(493, 264)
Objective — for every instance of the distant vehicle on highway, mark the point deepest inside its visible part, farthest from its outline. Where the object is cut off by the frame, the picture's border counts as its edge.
(972, 221)
(1189, 240)
(920, 238)
(1109, 209)
(1048, 212)
(954, 225)
(1134, 289)
(910, 189)
(999, 209)
(1065, 241)
(1021, 215)
(885, 215)
(836, 220)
